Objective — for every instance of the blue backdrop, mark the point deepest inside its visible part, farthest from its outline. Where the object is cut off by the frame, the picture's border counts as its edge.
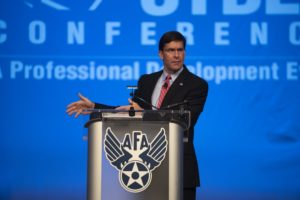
(247, 138)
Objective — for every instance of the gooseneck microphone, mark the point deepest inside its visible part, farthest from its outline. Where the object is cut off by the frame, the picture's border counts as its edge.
(182, 104)
(146, 102)
(187, 102)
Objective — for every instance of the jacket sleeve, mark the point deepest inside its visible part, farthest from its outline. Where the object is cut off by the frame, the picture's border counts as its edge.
(103, 106)
(198, 96)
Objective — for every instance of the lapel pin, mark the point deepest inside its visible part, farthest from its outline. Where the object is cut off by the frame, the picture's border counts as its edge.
(181, 84)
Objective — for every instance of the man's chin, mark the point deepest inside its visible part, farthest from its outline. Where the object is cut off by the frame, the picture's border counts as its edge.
(175, 68)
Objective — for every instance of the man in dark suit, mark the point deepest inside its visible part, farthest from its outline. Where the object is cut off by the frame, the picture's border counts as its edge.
(173, 84)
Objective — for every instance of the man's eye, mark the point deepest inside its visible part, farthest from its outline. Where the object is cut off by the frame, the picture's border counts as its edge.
(171, 51)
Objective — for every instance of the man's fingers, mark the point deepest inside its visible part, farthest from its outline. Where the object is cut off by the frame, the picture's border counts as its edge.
(86, 112)
(78, 106)
(122, 108)
(132, 102)
(119, 108)
(72, 109)
(78, 113)
(83, 98)
(72, 104)
(71, 112)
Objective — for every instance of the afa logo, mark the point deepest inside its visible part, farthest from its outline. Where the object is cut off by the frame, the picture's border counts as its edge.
(135, 158)
(64, 5)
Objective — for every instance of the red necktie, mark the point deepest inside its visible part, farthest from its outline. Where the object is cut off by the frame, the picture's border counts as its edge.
(164, 90)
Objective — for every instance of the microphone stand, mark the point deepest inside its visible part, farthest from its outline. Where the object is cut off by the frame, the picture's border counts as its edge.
(131, 111)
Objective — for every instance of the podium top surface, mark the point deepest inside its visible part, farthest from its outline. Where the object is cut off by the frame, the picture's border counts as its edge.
(177, 116)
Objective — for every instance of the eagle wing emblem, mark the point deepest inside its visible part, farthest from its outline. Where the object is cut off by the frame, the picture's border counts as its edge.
(156, 152)
(115, 152)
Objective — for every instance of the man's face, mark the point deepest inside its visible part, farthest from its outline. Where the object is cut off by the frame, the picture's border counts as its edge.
(173, 55)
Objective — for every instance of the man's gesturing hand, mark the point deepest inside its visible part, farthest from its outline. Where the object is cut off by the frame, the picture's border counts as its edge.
(79, 106)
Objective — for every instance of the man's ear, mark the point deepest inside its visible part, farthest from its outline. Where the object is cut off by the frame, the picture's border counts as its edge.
(160, 53)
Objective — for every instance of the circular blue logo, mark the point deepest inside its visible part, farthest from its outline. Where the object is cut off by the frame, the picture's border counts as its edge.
(135, 176)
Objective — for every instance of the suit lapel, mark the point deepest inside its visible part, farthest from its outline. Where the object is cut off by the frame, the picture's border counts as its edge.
(151, 85)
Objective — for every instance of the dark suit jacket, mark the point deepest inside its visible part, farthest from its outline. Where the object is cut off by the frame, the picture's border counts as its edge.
(187, 86)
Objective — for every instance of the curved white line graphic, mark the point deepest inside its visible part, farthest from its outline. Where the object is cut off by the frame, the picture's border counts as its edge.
(57, 6)
(28, 4)
(95, 4)
(54, 5)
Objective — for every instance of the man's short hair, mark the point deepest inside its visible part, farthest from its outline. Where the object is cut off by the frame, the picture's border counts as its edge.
(170, 37)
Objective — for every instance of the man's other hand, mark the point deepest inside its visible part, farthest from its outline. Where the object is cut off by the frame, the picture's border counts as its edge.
(132, 104)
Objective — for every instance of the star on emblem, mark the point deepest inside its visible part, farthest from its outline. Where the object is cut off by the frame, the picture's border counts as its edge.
(135, 176)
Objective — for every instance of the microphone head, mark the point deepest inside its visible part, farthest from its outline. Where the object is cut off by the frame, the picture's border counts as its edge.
(165, 85)
(131, 87)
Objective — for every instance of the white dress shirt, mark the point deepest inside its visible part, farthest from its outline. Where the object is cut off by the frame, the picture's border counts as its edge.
(159, 84)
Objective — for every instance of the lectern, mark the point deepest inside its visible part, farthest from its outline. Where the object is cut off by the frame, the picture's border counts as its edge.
(136, 155)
